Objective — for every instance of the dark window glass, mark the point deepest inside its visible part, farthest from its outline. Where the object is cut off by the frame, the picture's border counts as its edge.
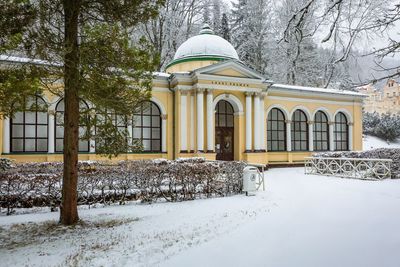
(299, 131)
(29, 128)
(59, 127)
(147, 127)
(341, 132)
(321, 132)
(224, 114)
(276, 130)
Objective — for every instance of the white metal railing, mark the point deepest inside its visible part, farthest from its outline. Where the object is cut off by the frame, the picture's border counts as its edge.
(360, 168)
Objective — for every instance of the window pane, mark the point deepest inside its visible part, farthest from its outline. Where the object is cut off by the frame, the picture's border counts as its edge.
(137, 121)
(30, 131)
(17, 145)
(42, 145)
(83, 146)
(60, 131)
(18, 117)
(42, 117)
(155, 133)
(155, 122)
(17, 131)
(155, 110)
(41, 131)
(146, 121)
(146, 145)
(59, 145)
(137, 133)
(30, 117)
(146, 133)
(30, 145)
(156, 146)
(230, 121)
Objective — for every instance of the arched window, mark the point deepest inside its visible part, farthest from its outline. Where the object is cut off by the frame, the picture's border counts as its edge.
(224, 114)
(276, 130)
(59, 127)
(341, 132)
(147, 127)
(321, 132)
(29, 128)
(299, 131)
(106, 118)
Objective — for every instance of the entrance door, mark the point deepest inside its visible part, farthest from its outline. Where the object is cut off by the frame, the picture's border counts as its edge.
(224, 131)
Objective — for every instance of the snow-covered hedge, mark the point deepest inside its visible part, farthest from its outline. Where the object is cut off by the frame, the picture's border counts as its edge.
(38, 184)
(385, 126)
(379, 153)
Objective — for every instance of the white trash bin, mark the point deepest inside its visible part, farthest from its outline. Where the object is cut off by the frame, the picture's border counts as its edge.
(249, 180)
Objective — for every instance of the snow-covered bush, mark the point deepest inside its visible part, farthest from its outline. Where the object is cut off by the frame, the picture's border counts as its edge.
(5, 164)
(39, 184)
(379, 153)
(385, 126)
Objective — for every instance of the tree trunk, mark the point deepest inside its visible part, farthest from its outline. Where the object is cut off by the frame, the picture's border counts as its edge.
(69, 208)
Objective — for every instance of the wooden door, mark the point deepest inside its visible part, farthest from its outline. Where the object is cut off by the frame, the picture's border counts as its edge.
(224, 143)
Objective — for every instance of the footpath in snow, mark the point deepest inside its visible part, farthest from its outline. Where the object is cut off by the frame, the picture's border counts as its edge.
(299, 221)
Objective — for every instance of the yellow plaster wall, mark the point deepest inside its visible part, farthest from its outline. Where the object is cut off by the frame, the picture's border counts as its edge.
(190, 65)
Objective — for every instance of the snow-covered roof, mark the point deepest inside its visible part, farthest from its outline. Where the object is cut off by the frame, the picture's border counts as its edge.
(161, 74)
(315, 90)
(206, 44)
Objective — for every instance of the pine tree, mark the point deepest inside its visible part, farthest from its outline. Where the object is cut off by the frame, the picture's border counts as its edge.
(86, 47)
(206, 12)
(224, 30)
(216, 8)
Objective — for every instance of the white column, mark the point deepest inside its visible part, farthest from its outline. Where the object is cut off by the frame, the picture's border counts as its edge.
(311, 136)
(210, 120)
(331, 136)
(350, 124)
(288, 135)
(262, 123)
(192, 122)
(249, 111)
(130, 133)
(183, 121)
(92, 141)
(6, 135)
(257, 126)
(164, 133)
(51, 131)
(200, 120)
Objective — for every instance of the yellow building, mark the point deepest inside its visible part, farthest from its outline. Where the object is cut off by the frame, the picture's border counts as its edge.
(209, 104)
(382, 101)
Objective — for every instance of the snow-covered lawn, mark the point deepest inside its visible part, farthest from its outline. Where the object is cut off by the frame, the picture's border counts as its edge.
(299, 221)
(372, 142)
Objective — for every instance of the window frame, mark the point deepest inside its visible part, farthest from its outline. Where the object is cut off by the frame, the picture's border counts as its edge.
(296, 127)
(219, 115)
(35, 124)
(56, 124)
(152, 116)
(270, 132)
(343, 131)
(318, 142)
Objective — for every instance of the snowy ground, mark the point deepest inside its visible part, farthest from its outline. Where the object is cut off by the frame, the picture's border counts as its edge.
(299, 221)
(371, 142)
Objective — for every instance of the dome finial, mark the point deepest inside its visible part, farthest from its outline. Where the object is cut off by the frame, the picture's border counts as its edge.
(206, 29)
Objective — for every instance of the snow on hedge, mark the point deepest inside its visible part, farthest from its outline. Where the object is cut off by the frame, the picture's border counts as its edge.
(30, 185)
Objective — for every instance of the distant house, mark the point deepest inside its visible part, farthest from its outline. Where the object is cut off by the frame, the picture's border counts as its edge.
(386, 100)
(208, 103)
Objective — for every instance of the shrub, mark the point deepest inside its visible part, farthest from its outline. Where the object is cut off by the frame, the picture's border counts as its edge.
(386, 126)
(39, 184)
